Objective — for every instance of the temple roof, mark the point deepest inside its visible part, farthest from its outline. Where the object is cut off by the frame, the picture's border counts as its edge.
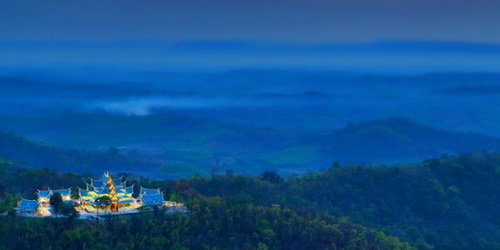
(154, 199)
(44, 193)
(119, 182)
(63, 192)
(97, 183)
(48, 193)
(149, 191)
(128, 190)
(84, 193)
(105, 182)
(102, 191)
(105, 177)
(27, 205)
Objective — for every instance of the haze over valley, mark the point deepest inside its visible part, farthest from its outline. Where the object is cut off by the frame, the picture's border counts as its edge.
(249, 121)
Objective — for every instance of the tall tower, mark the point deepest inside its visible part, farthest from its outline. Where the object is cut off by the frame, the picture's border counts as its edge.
(112, 193)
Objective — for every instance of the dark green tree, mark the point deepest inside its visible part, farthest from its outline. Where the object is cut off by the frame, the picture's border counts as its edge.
(70, 212)
(56, 202)
(272, 177)
(103, 201)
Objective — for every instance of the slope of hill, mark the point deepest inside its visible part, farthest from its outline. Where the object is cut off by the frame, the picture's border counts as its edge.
(385, 141)
(400, 140)
(18, 149)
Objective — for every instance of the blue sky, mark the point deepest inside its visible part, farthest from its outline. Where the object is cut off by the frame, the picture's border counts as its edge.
(257, 20)
(179, 34)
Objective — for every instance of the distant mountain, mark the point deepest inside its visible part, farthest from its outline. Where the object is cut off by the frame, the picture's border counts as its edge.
(191, 145)
(20, 150)
(385, 141)
(400, 140)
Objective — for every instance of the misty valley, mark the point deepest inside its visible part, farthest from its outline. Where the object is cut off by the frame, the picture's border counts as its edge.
(284, 159)
(251, 121)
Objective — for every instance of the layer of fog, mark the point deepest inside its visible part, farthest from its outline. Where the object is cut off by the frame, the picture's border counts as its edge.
(278, 99)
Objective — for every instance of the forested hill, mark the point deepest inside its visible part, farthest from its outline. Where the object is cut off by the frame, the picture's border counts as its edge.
(213, 222)
(389, 141)
(20, 150)
(450, 202)
(444, 203)
(399, 140)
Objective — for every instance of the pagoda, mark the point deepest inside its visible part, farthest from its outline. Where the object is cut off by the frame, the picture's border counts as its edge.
(120, 195)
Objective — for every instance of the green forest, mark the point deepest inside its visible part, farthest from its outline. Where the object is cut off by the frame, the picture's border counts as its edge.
(451, 202)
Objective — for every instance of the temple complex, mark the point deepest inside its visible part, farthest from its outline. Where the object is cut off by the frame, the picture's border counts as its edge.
(107, 194)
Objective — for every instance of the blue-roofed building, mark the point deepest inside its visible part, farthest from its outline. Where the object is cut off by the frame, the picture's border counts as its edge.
(102, 192)
(44, 194)
(105, 178)
(65, 193)
(153, 199)
(97, 183)
(119, 183)
(44, 197)
(28, 207)
(83, 192)
(148, 191)
(119, 194)
(128, 190)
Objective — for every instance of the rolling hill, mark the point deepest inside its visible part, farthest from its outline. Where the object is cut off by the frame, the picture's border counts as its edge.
(402, 140)
(198, 144)
(18, 149)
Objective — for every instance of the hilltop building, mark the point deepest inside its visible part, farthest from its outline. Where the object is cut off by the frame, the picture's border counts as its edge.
(119, 194)
(150, 197)
(28, 207)
(104, 194)
(41, 206)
